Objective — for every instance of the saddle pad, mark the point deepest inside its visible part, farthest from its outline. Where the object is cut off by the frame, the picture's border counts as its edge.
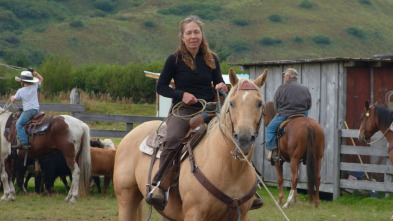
(144, 148)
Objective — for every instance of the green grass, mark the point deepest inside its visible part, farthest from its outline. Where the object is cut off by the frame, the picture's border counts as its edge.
(104, 207)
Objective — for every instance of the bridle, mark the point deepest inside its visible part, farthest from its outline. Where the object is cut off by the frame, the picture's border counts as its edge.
(367, 115)
(238, 154)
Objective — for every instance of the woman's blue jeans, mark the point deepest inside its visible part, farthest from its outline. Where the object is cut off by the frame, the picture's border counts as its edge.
(271, 130)
(20, 123)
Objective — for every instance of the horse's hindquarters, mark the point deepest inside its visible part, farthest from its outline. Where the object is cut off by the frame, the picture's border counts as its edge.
(131, 170)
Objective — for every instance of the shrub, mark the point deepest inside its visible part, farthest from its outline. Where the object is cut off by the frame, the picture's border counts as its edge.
(9, 22)
(149, 24)
(355, 31)
(365, 2)
(104, 5)
(205, 10)
(239, 45)
(297, 39)
(240, 21)
(275, 18)
(17, 58)
(12, 39)
(76, 24)
(321, 39)
(57, 73)
(270, 41)
(306, 4)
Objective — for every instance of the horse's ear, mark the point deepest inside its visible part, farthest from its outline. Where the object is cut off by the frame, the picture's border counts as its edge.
(366, 105)
(260, 81)
(233, 77)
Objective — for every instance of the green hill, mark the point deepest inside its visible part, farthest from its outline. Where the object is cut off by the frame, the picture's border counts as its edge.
(123, 31)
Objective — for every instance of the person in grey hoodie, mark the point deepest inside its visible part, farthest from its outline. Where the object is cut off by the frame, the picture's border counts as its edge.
(289, 99)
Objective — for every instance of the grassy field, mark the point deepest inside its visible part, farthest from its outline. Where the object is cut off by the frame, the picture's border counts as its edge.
(104, 207)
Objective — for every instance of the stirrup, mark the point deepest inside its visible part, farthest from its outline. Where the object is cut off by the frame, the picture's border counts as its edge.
(157, 205)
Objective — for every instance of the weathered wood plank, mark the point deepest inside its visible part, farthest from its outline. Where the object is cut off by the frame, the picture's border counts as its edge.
(366, 185)
(372, 151)
(115, 118)
(108, 133)
(55, 107)
(372, 168)
(355, 133)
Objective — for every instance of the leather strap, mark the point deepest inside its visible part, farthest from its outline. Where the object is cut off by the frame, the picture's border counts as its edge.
(233, 203)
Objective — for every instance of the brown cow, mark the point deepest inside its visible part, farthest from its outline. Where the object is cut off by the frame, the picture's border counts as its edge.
(102, 162)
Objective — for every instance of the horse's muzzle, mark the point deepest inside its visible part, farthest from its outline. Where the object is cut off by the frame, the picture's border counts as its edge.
(244, 141)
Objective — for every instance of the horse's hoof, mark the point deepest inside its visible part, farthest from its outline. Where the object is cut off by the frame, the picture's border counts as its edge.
(72, 201)
(11, 198)
(286, 206)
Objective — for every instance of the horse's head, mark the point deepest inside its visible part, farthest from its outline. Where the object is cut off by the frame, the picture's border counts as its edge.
(368, 123)
(242, 110)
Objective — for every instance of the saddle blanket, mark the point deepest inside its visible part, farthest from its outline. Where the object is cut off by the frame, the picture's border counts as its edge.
(144, 148)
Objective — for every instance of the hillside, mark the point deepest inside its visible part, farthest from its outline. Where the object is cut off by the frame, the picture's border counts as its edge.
(123, 31)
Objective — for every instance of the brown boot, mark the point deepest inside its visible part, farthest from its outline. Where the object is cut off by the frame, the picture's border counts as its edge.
(257, 203)
(157, 200)
(159, 197)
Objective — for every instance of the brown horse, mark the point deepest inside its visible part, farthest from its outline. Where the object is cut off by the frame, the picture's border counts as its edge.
(217, 156)
(66, 134)
(304, 139)
(373, 119)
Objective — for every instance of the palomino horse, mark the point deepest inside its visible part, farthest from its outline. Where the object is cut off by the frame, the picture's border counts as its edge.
(304, 139)
(217, 156)
(66, 134)
(373, 119)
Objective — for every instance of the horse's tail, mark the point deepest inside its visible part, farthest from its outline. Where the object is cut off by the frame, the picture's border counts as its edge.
(85, 162)
(311, 159)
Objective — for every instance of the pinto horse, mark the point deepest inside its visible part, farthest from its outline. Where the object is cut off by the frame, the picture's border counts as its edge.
(304, 139)
(217, 156)
(66, 134)
(375, 118)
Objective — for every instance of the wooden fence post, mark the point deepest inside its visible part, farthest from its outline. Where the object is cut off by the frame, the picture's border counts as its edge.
(75, 98)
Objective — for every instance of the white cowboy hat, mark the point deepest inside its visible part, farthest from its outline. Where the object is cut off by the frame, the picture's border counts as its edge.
(26, 76)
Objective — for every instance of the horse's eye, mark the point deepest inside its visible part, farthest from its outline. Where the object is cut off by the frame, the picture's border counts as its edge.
(259, 104)
(231, 103)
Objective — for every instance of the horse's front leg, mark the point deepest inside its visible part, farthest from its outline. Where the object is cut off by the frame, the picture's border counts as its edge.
(9, 190)
(280, 181)
(294, 165)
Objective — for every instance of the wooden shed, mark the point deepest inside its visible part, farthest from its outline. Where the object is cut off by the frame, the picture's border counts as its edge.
(339, 88)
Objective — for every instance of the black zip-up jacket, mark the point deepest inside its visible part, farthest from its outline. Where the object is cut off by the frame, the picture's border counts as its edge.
(197, 82)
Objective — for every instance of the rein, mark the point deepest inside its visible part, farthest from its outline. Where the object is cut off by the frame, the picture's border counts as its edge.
(245, 158)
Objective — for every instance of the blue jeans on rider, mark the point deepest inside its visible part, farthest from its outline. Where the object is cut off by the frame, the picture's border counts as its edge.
(271, 130)
(20, 123)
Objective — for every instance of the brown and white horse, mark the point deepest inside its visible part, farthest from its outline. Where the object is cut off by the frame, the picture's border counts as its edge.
(217, 156)
(68, 135)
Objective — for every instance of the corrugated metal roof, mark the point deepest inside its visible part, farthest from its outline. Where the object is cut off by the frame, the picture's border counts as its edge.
(315, 60)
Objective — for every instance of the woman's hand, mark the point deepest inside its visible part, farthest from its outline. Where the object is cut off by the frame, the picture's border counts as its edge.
(189, 99)
(222, 86)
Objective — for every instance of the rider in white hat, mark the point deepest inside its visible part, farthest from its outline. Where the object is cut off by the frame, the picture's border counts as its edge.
(28, 95)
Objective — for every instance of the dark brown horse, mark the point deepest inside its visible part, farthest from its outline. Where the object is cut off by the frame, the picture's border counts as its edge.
(303, 140)
(66, 134)
(375, 118)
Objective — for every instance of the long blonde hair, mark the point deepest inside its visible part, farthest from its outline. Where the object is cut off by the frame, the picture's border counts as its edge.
(204, 47)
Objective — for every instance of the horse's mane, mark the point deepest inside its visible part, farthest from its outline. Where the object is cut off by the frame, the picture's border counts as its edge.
(385, 116)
